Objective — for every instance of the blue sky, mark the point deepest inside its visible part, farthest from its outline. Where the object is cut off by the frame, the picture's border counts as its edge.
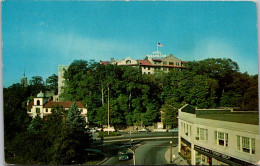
(38, 36)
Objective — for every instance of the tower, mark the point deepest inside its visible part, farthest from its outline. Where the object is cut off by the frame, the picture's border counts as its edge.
(24, 80)
(61, 70)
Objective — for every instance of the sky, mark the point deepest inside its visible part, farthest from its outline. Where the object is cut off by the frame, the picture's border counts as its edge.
(40, 35)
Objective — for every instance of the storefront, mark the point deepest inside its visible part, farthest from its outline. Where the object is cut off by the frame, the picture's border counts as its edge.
(205, 156)
(186, 149)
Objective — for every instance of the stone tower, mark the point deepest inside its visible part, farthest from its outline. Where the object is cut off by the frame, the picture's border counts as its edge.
(61, 70)
(24, 80)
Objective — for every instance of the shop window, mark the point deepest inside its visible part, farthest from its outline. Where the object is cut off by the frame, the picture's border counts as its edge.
(246, 144)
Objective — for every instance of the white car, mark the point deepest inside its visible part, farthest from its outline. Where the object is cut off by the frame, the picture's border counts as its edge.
(111, 129)
(144, 130)
(160, 130)
(174, 130)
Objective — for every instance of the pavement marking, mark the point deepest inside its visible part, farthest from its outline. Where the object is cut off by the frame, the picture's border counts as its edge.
(141, 139)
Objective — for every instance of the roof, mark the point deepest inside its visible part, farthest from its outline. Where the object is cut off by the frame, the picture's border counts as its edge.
(184, 61)
(246, 118)
(30, 104)
(64, 104)
(104, 62)
(145, 62)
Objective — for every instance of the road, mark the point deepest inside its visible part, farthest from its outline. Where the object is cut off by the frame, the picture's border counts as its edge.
(149, 153)
(152, 153)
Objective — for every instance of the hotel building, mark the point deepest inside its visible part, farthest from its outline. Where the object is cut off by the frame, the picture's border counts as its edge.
(218, 136)
(150, 65)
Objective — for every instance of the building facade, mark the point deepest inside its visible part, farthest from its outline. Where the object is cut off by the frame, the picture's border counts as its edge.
(218, 136)
(42, 106)
(150, 65)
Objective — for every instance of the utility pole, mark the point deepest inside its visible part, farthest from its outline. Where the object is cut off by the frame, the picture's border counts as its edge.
(171, 152)
(108, 126)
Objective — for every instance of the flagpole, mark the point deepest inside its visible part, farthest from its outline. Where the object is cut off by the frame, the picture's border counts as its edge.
(157, 48)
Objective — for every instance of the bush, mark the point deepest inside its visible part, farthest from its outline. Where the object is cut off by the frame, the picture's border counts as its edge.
(105, 134)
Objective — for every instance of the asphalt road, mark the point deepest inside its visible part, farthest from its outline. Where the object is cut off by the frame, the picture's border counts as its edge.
(152, 153)
(149, 153)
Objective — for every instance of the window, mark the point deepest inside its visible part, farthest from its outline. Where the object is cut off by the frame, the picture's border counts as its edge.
(177, 64)
(171, 63)
(144, 67)
(46, 109)
(148, 68)
(29, 110)
(37, 110)
(149, 73)
(246, 144)
(38, 102)
(164, 62)
(221, 138)
(202, 134)
(128, 62)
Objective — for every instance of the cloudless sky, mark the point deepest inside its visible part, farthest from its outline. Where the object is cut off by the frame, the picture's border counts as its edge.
(38, 36)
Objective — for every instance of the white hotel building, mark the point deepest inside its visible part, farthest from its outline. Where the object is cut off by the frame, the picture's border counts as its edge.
(218, 136)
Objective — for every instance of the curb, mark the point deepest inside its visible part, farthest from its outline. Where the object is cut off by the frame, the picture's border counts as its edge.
(101, 162)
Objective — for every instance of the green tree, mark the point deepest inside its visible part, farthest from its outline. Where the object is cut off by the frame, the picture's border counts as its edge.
(52, 83)
(169, 112)
(70, 145)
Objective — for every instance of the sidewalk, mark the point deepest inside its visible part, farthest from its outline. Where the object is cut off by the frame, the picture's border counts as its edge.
(178, 160)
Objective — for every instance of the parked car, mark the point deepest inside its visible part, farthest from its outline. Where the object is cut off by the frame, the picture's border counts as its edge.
(160, 130)
(111, 129)
(144, 130)
(123, 156)
(174, 130)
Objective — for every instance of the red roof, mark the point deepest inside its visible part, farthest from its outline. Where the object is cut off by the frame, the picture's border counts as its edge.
(30, 104)
(145, 62)
(105, 62)
(184, 61)
(64, 104)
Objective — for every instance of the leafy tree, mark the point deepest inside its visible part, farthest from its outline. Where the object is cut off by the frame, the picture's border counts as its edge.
(169, 112)
(52, 83)
(36, 84)
(70, 145)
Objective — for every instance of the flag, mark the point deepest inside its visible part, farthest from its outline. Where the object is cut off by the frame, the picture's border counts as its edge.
(159, 44)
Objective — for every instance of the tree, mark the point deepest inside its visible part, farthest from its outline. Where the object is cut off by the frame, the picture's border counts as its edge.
(36, 84)
(70, 145)
(169, 112)
(52, 83)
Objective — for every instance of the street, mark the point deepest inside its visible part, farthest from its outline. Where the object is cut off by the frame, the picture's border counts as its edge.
(148, 153)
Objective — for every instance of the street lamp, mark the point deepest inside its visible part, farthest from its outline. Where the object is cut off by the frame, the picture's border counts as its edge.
(171, 152)
(108, 126)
